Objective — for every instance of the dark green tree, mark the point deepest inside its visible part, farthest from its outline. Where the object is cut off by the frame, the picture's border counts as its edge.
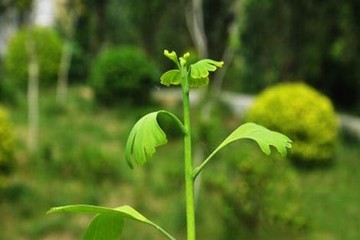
(308, 40)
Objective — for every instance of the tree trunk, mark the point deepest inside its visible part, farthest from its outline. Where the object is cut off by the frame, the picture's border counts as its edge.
(33, 97)
(66, 56)
(62, 84)
(195, 23)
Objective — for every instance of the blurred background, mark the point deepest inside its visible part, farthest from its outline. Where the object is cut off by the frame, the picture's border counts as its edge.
(75, 75)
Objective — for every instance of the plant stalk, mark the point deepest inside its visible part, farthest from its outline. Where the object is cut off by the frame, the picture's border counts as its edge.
(189, 181)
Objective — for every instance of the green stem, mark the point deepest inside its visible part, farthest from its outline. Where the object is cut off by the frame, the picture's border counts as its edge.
(189, 182)
(198, 169)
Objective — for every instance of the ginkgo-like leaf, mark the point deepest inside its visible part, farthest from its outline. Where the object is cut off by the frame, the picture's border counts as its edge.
(198, 82)
(261, 135)
(105, 227)
(171, 77)
(108, 216)
(145, 136)
(202, 68)
(125, 211)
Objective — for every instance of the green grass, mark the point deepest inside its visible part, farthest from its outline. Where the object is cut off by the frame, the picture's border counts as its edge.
(80, 160)
(332, 197)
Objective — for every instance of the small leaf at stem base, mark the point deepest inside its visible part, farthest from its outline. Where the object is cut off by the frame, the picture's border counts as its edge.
(107, 218)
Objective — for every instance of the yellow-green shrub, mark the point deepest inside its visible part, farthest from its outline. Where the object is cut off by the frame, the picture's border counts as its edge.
(303, 114)
(6, 146)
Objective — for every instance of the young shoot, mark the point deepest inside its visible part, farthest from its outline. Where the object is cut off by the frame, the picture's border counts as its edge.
(146, 135)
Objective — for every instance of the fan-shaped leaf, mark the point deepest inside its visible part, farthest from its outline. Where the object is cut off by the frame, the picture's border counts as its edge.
(171, 77)
(105, 227)
(198, 82)
(105, 216)
(125, 211)
(261, 135)
(201, 68)
(145, 136)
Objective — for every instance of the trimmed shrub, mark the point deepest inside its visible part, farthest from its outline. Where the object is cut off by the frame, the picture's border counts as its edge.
(48, 47)
(123, 73)
(7, 147)
(303, 114)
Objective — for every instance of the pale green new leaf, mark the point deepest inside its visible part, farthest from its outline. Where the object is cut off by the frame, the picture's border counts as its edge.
(145, 136)
(171, 77)
(105, 227)
(261, 135)
(202, 68)
(172, 56)
(107, 215)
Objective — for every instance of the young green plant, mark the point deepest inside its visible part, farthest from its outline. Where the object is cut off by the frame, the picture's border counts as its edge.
(147, 134)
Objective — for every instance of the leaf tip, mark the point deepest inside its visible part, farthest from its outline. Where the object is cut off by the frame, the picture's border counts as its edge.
(130, 165)
(186, 55)
(52, 210)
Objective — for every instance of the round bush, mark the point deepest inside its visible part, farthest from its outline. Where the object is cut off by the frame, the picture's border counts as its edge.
(48, 47)
(7, 146)
(123, 73)
(303, 114)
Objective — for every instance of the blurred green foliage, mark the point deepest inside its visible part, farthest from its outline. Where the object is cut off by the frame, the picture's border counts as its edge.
(48, 46)
(20, 5)
(7, 93)
(303, 114)
(248, 192)
(311, 40)
(7, 147)
(279, 40)
(81, 160)
(123, 73)
(255, 192)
